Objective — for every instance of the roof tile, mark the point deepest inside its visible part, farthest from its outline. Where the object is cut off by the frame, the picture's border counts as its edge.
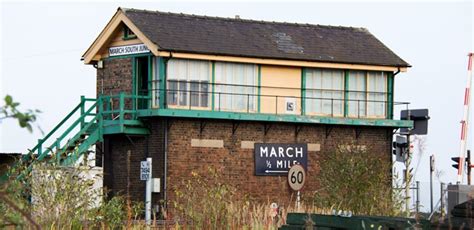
(250, 38)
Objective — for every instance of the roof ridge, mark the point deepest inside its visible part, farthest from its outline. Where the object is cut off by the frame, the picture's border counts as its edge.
(244, 20)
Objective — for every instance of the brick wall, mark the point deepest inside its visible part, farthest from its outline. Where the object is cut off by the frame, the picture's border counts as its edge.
(115, 77)
(237, 164)
(116, 174)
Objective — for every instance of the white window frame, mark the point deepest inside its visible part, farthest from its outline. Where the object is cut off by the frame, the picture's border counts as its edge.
(371, 93)
(187, 80)
(155, 84)
(368, 96)
(336, 107)
(225, 90)
(353, 96)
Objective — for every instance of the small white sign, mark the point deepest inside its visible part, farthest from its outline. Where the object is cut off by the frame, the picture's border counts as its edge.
(145, 170)
(290, 105)
(156, 185)
(296, 177)
(126, 50)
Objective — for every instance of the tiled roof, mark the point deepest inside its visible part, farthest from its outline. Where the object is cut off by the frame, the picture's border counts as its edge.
(250, 38)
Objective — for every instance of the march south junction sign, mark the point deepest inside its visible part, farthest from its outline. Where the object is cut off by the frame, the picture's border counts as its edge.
(277, 159)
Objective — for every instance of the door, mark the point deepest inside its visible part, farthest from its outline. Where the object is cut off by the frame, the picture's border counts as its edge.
(142, 74)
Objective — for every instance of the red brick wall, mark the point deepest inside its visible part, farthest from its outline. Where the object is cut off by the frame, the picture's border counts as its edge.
(115, 77)
(237, 164)
(115, 161)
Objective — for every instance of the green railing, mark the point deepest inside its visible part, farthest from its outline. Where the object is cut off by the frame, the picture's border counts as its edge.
(81, 128)
(80, 122)
(121, 107)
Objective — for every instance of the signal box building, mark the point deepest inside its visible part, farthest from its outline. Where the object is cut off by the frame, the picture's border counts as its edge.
(250, 98)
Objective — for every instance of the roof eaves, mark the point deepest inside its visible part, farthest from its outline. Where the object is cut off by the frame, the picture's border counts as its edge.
(288, 59)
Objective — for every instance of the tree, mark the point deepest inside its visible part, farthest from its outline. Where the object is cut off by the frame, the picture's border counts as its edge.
(10, 110)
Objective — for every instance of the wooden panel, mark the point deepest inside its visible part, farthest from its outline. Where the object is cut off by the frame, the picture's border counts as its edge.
(268, 61)
(109, 32)
(117, 40)
(279, 77)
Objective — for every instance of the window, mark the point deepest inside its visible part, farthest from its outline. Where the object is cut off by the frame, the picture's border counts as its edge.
(188, 83)
(357, 96)
(128, 33)
(156, 82)
(376, 94)
(324, 92)
(367, 94)
(235, 86)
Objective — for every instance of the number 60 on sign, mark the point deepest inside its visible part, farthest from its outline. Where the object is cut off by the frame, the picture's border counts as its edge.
(296, 177)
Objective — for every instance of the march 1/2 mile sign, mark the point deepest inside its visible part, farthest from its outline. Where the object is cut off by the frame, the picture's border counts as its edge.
(277, 159)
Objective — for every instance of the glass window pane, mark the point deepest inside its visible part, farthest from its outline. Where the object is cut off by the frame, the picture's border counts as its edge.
(187, 75)
(324, 94)
(204, 93)
(357, 97)
(377, 96)
(172, 92)
(183, 93)
(194, 90)
(238, 89)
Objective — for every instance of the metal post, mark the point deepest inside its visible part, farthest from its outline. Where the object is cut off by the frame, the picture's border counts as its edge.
(407, 177)
(83, 100)
(441, 198)
(190, 99)
(417, 197)
(431, 181)
(332, 107)
(358, 108)
(248, 102)
(468, 161)
(148, 195)
(298, 200)
(40, 147)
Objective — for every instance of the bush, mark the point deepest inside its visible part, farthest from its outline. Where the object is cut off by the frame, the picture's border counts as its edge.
(59, 198)
(208, 203)
(357, 180)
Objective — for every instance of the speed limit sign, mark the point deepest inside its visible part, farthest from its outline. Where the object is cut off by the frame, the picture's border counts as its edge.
(296, 177)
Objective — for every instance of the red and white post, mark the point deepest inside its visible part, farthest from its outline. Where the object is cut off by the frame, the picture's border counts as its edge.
(465, 120)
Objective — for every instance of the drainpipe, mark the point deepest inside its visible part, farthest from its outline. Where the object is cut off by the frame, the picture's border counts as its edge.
(398, 71)
(165, 148)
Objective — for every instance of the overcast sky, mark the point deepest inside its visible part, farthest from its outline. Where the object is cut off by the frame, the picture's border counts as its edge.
(42, 43)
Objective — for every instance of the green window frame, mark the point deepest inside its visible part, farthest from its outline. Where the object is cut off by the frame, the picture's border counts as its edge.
(128, 33)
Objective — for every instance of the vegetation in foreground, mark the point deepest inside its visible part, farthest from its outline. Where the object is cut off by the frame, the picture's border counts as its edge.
(57, 197)
(351, 179)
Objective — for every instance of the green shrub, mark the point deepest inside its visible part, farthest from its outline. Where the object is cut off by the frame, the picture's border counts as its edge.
(206, 202)
(357, 180)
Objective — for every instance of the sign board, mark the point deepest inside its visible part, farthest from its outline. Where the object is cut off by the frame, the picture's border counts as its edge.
(420, 119)
(296, 177)
(277, 159)
(127, 50)
(290, 105)
(145, 170)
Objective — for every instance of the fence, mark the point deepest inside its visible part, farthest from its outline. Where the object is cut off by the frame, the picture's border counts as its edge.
(198, 95)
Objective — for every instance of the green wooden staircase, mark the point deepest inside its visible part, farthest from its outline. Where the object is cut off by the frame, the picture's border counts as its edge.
(82, 128)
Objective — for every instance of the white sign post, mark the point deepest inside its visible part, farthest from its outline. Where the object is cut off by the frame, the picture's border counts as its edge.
(296, 179)
(145, 174)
